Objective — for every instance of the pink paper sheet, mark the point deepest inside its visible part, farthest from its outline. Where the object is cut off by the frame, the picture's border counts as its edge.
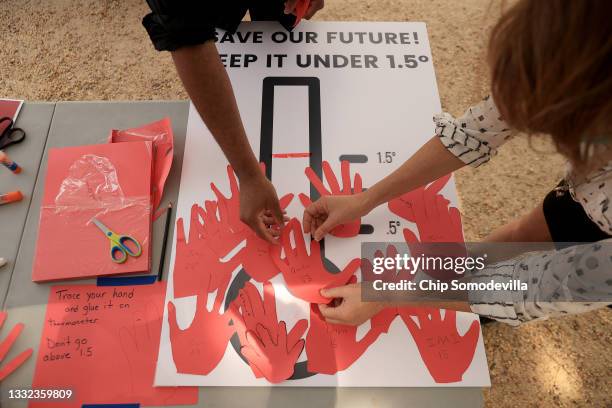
(111, 182)
(101, 342)
(160, 133)
(9, 108)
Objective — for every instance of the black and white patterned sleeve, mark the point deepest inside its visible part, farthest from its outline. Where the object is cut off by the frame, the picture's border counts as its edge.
(569, 281)
(595, 196)
(475, 136)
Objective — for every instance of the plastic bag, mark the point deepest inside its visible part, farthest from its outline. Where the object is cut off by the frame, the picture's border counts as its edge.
(160, 133)
(110, 183)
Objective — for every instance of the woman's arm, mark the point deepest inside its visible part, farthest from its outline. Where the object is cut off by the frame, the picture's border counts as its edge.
(556, 283)
(468, 140)
(429, 163)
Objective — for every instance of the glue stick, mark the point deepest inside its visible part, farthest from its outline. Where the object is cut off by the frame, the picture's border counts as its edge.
(11, 197)
(11, 165)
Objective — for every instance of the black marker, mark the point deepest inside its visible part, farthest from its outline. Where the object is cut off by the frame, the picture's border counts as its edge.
(162, 258)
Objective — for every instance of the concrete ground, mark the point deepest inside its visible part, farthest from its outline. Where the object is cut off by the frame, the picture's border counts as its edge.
(98, 50)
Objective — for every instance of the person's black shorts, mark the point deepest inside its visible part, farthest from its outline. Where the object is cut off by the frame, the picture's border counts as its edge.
(567, 221)
(173, 24)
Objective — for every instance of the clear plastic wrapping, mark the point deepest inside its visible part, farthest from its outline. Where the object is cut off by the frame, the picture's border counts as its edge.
(161, 135)
(108, 183)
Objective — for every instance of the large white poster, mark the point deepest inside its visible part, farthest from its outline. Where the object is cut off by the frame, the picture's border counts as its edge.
(327, 93)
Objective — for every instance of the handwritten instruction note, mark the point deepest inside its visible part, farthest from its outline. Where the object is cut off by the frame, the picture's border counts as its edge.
(101, 342)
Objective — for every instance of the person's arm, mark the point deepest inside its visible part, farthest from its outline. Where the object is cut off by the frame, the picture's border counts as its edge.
(468, 140)
(208, 85)
(558, 282)
(429, 163)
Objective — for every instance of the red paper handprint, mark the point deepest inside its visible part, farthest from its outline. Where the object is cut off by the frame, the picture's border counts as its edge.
(430, 211)
(350, 229)
(196, 266)
(333, 347)
(446, 354)
(140, 345)
(256, 257)
(229, 207)
(217, 229)
(304, 274)
(269, 349)
(5, 347)
(388, 274)
(438, 224)
(200, 347)
(274, 356)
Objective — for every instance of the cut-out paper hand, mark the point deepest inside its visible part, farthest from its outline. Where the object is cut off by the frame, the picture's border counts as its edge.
(5, 347)
(140, 344)
(256, 204)
(217, 229)
(256, 257)
(450, 246)
(430, 211)
(304, 274)
(334, 347)
(437, 223)
(274, 356)
(229, 207)
(269, 349)
(200, 347)
(446, 354)
(389, 274)
(350, 229)
(196, 266)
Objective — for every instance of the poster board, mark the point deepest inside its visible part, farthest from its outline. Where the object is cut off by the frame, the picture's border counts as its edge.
(361, 92)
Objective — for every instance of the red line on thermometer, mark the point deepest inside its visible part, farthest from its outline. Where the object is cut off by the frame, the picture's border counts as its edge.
(290, 155)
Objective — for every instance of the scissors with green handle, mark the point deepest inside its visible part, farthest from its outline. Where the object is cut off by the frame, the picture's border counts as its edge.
(119, 251)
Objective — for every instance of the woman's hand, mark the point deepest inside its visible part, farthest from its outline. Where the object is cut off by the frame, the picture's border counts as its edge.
(330, 211)
(347, 307)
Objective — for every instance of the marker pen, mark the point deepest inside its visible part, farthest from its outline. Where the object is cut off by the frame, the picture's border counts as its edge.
(11, 197)
(11, 165)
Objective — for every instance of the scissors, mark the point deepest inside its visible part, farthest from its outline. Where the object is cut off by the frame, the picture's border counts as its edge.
(10, 135)
(119, 251)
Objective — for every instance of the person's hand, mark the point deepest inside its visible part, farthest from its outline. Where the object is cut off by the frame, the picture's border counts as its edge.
(256, 257)
(348, 308)
(314, 6)
(305, 274)
(328, 212)
(334, 347)
(253, 204)
(260, 208)
(350, 227)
